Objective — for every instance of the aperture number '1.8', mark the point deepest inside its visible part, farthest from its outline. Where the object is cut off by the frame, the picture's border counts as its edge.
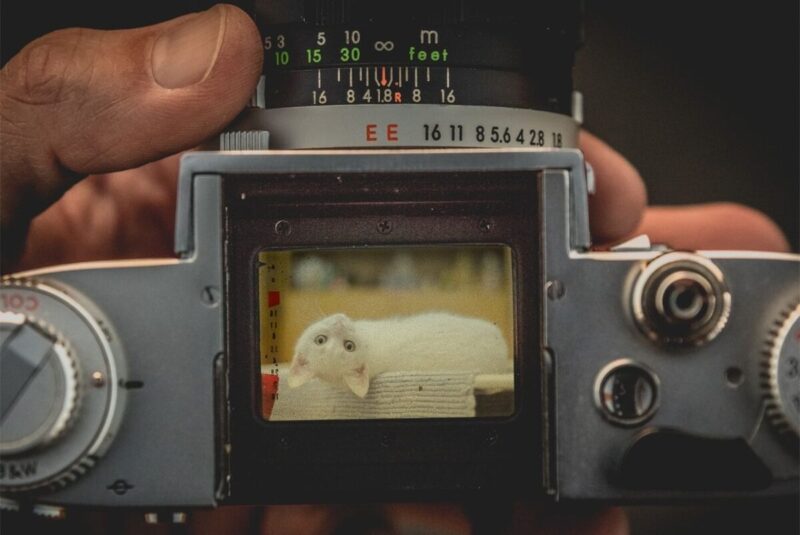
(503, 135)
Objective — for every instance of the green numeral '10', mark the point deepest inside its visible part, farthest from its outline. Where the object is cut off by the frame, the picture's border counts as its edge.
(282, 57)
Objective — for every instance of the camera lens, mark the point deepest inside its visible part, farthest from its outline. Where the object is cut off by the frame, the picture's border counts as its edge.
(681, 300)
(358, 73)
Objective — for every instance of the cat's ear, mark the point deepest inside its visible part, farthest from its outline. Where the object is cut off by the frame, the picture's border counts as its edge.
(300, 372)
(358, 380)
(340, 319)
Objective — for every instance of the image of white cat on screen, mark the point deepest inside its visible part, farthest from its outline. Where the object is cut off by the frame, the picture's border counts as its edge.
(347, 352)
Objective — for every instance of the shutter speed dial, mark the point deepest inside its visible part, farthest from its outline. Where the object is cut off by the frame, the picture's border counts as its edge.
(781, 376)
(39, 388)
(60, 396)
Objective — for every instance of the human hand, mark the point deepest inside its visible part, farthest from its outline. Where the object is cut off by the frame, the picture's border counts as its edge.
(79, 102)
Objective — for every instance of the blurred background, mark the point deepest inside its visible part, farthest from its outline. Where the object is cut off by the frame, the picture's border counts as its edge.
(702, 97)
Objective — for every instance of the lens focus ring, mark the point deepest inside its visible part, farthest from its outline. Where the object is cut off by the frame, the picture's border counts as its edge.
(511, 54)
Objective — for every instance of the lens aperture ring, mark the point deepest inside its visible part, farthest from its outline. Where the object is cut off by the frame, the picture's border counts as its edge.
(417, 125)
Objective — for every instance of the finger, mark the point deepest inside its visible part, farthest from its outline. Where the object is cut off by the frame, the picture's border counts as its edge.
(79, 101)
(612, 521)
(712, 226)
(584, 521)
(324, 519)
(620, 195)
(430, 517)
(570, 520)
(229, 519)
(129, 214)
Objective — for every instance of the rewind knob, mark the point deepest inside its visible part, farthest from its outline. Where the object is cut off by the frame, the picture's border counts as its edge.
(39, 384)
(61, 400)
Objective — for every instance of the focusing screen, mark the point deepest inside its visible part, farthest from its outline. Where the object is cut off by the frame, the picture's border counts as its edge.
(386, 333)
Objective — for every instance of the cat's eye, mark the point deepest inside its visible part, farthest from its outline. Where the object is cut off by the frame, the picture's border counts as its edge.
(321, 339)
(349, 345)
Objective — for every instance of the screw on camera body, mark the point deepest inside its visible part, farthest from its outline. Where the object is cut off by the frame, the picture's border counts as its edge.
(98, 379)
(387, 439)
(385, 226)
(555, 289)
(283, 228)
(210, 296)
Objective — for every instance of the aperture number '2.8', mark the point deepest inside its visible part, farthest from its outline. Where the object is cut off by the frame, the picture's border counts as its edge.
(504, 135)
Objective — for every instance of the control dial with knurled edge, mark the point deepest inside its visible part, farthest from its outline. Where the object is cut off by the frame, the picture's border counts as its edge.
(61, 401)
(39, 389)
(781, 373)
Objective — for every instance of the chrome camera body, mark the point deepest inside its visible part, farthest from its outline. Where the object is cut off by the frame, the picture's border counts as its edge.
(639, 374)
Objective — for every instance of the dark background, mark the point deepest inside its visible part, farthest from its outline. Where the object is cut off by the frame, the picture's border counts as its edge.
(701, 97)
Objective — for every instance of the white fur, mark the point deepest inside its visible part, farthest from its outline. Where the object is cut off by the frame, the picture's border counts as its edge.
(432, 341)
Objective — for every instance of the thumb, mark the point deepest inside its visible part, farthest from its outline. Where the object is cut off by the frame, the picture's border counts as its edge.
(80, 101)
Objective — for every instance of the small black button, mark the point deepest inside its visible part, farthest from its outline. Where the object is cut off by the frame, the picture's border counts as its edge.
(626, 392)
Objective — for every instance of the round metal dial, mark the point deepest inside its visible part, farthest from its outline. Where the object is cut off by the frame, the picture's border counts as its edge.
(680, 299)
(60, 397)
(782, 373)
(38, 384)
(626, 392)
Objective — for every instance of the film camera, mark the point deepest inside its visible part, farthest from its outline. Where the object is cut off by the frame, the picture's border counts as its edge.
(399, 299)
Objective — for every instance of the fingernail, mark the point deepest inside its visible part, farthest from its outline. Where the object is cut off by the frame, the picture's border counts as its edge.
(184, 54)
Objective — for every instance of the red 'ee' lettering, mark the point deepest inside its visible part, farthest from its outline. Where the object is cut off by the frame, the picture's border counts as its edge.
(391, 132)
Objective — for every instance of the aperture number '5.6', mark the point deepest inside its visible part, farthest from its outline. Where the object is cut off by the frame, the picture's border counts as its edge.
(497, 135)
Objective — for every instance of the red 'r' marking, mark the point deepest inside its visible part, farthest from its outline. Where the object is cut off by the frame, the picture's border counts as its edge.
(273, 299)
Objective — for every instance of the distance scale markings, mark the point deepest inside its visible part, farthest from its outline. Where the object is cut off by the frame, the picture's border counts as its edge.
(287, 48)
(417, 125)
(273, 278)
(406, 84)
(383, 64)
